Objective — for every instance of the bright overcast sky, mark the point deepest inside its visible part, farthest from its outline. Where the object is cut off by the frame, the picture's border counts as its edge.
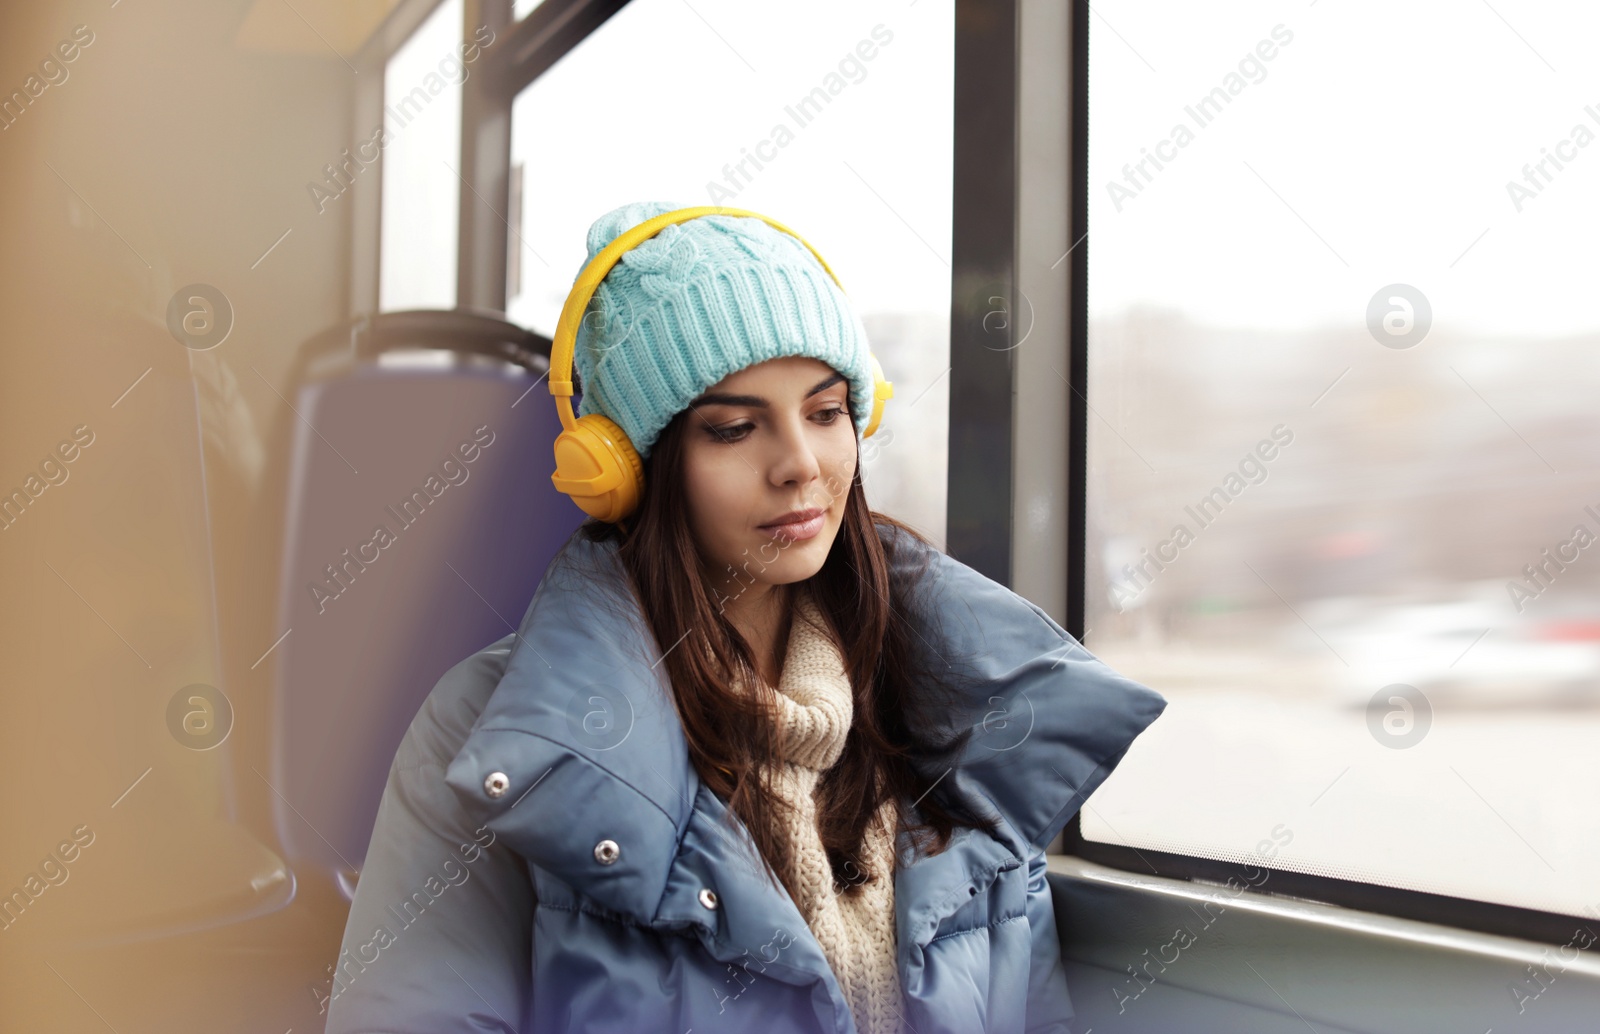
(1388, 130)
(665, 94)
(1375, 150)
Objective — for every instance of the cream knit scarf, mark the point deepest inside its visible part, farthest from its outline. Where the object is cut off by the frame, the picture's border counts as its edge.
(857, 933)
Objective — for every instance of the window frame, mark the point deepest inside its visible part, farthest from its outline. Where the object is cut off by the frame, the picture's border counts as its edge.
(522, 50)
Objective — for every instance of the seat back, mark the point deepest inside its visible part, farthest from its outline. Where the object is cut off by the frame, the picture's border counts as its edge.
(419, 518)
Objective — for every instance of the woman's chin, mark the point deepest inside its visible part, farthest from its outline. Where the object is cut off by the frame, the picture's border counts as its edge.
(798, 568)
(797, 561)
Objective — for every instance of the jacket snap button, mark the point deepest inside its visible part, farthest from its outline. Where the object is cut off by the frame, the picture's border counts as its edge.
(496, 784)
(606, 852)
(708, 897)
(972, 892)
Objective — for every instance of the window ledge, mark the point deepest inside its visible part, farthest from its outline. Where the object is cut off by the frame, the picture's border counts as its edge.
(1348, 968)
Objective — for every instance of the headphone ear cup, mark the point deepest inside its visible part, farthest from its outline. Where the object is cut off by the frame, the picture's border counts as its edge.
(882, 392)
(597, 466)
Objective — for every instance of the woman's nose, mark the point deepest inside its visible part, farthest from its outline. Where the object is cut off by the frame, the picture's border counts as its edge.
(797, 457)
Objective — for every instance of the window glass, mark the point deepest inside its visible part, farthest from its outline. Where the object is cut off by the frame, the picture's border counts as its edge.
(421, 188)
(520, 9)
(836, 124)
(1342, 497)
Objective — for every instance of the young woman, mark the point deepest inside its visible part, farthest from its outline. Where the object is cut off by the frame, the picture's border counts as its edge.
(758, 758)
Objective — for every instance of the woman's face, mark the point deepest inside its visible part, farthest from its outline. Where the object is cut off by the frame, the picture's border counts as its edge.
(760, 444)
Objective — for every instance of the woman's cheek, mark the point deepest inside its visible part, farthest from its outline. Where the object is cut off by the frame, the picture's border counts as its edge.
(836, 489)
(838, 482)
(716, 498)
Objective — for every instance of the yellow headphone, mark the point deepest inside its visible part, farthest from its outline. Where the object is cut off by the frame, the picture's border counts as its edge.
(595, 463)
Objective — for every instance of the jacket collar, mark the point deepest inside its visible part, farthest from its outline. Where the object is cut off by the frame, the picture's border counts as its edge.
(583, 733)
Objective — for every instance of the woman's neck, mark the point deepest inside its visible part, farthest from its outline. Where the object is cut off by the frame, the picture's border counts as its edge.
(763, 619)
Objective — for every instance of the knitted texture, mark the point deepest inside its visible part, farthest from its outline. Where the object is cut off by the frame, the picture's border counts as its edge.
(857, 934)
(698, 301)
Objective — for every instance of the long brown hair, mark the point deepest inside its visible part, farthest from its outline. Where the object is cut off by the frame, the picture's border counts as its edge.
(892, 751)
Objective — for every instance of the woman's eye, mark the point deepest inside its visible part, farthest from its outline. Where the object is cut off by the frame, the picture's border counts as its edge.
(738, 432)
(729, 434)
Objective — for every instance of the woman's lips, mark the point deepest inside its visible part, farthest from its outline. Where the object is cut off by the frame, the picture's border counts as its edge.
(799, 531)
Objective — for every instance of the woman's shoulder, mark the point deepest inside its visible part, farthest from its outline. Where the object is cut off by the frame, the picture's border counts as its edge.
(904, 545)
(451, 709)
(915, 562)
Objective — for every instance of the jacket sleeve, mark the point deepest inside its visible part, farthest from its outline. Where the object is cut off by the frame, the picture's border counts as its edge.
(1077, 715)
(439, 937)
(1049, 1006)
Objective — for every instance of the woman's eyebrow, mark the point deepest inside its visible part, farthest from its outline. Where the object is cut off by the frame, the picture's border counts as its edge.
(756, 400)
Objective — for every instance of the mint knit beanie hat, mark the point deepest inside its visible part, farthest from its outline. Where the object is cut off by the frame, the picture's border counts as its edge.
(698, 301)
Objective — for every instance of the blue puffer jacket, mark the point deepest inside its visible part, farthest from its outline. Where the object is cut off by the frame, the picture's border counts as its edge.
(545, 858)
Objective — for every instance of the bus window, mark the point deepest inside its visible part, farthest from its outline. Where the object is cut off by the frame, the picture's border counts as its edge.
(1340, 463)
(422, 117)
